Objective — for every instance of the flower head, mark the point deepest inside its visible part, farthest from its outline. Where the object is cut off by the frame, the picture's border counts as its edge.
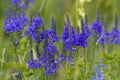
(15, 23)
(38, 22)
(97, 25)
(15, 2)
(106, 35)
(99, 71)
(115, 32)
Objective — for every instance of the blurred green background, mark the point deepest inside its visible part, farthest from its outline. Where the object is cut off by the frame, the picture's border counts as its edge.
(58, 9)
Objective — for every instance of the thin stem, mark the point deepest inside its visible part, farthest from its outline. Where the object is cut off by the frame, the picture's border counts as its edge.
(18, 63)
(92, 61)
(35, 74)
(3, 54)
(108, 69)
(99, 39)
(85, 59)
(43, 2)
(17, 56)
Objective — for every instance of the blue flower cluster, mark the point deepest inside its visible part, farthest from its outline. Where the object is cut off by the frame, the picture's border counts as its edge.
(112, 37)
(34, 28)
(99, 72)
(97, 25)
(49, 58)
(22, 3)
(15, 21)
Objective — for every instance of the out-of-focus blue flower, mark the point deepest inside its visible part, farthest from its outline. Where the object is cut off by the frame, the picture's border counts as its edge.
(27, 3)
(115, 32)
(15, 23)
(52, 49)
(70, 59)
(68, 35)
(80, 40)
(51, 34)
(62, 56)
(34, 29)
(69, 31)
(34, 64)
(50, 69)
(99, 71)
(106, 35)
(15, 2)
(86, 26)
(32, 32)
(48, 58)
(97, 25)
(99, 74)
(65, 34)
(17, 42)
(22, 4)
(19, 75)
(55, 37)
(38, 22)
(94, 78)
(24, 17)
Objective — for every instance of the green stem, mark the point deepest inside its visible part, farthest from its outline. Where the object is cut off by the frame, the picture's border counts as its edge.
(19, 64)
(43, 2)
(92, 61)
(109, 77)
(85, 59)
(35, 74)
(3, 55)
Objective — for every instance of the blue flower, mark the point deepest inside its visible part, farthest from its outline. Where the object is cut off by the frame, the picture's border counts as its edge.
(34, 29)
(80, 40)
(38, 22)
(55, 37)
(70, 59)
(15, 23)
(106, 36)
(51, 34)
(32, 32)
(94, 78)
(17, 42)
(65, 34)
(86, 26)
(62, 57)
(52, 49)
(26, 3)
(68, 35)
(34, 64)
(97, 25)
(19, 75)
(14, 2)
(69, 31)
(115, 32)
(99, 72)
